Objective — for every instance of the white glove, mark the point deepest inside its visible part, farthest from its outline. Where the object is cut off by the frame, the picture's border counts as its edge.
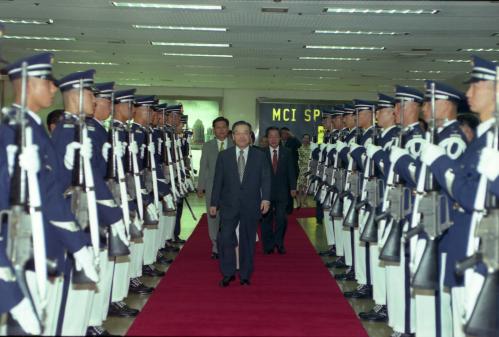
(85, 151)
(153, 211)
(321, 146)
(353, 146)
(25, 315)
(430, 153)
(86, 148)
(368, 141)
(134, 149)
(11, 156)
(340, 146)
(105, 150)
(150, 147)
(313, 146)
(138, 222)
(84, 259)
(118, 228)
(371, 150)
(142, 149)
(396, 153)
(329, 147)
(119, 149)
(487, 164)
(29, 159)
(169, 201)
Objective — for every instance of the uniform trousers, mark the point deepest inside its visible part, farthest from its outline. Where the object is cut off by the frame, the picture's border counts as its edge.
(347, 236)
(121, 278)
(77, 313)
(150, 245)
(170, 226)
(100, 304)
(136, 257)
(361, 272)
(328, 227)
(338, 235)
(53, 297)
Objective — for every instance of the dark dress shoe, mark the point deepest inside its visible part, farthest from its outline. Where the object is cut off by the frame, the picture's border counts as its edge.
(244, 282)
(137, 287)
(97, 331)
(348, 276)
(226, 280)
(120, 309)
(281, 250)
(170, 248)
(329, 252)
(214, 256)
(319, 221)
(378, 314)
(338, 263)
(362, 291)
(152, 272)
(164, 260)
(401, 334)
(178, 241)
(268, 251)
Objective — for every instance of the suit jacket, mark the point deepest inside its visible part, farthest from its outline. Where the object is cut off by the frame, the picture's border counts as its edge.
(284, 180)
(240, 199)
(209, 155)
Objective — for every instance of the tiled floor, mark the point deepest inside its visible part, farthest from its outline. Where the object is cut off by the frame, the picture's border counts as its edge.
(314, 231)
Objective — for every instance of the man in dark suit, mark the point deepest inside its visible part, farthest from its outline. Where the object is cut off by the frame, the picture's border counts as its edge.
(241, 192)
(283, 185)
(293, 144)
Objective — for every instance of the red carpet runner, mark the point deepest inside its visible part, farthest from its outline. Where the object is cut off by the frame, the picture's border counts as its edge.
(290, 295)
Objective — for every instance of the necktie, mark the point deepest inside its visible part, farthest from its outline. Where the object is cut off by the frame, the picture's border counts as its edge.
(274, 161)
(221, 146)
(240, 165)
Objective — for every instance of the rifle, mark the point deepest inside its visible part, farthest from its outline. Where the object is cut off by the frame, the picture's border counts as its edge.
(394, 209)
(426, 217)
(82, 191)
(371, 192)
(482, 316)
(118, 189)
(26, 238)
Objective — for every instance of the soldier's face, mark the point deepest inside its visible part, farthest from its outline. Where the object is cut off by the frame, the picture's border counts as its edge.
(102, 108)
(385, 117)
(338, 122)
(41, 92)
(480, 97)
(441, 107)
(242, 136)
(349, 121)
(365, 118)
(88, 102)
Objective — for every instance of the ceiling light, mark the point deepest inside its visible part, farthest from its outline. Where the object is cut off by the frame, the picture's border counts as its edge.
(199, 66)
(204, 29)
(356, 32)
(380, 11)
(45, 38)
(313, 69)
(425, 71)
(196, 55)
(479, 49)
(346, 47)
(28, 21)
(186, 44)
(63, 50)
(329, 58)
(452, 60)
(166, 6)
(89, 63)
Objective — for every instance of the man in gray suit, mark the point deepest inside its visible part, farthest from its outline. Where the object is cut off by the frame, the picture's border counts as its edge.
(209, 156)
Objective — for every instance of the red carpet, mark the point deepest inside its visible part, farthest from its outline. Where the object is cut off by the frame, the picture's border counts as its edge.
(290, 295)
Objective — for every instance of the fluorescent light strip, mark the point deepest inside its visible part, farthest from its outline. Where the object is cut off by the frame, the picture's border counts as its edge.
(453, 60)
(479, 49)
(89, 63)
(345, 47)
(166, 6)
(45, 38)
(313, 69)
(381, 11)
(63, 50)
(357, 32)
(199, 66)
(330, 58)
(187, 44)
(28, 21)
(196, 55)
(425, 71)
(202, 29)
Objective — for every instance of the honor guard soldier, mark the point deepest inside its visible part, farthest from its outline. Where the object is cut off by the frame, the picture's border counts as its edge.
(460, 179)
(321, 167)
(62, 234)
(385, 116)
(127, 268)
(365, 114)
